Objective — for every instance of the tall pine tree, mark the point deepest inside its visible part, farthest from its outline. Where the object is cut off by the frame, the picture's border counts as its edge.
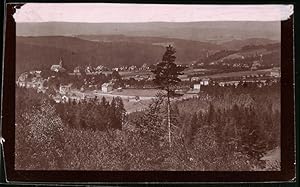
(166, 76)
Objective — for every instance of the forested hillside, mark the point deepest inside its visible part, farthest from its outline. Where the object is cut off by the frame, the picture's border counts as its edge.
(35, 52)
(115, 51)
(221, 130)
(267, 54)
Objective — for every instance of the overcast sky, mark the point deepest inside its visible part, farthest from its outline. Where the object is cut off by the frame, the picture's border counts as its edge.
(106, 12)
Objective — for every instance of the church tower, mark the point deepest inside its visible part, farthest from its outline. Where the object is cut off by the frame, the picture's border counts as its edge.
(60, 62)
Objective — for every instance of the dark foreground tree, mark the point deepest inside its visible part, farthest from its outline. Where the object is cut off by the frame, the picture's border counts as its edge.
(166, 76)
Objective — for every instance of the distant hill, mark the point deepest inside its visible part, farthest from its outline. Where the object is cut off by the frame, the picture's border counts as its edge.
(117, 50)
(269, 53)
(42, 52)
(34, 53)
(151, 41)
(238, 44)
(92, 42)
(34, 57)
(213, 31)
(229, 45)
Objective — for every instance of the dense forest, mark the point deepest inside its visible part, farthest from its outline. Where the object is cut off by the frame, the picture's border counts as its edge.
(223, 129)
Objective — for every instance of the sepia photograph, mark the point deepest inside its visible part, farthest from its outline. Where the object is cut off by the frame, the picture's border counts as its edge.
(148, 87)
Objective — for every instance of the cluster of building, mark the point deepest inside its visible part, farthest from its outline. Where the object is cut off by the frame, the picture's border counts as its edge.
(66, 93)
(144, 67)
(242, 62)
(90, 70)
(259, 79)
(275, 72)
(196, 87)
(32, 79)
(139, 77)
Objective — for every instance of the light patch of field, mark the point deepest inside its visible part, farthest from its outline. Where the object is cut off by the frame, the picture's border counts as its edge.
(265, 70)
(198, 70)
(128, 96)
(254, 52)
(240, 55)
(232, 56)
(134, 106)
(236, 74)
(131, 104)
(164, 44)
(137, 92)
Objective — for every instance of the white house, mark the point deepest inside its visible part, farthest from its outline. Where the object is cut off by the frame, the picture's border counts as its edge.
(275, 72)
(229, 83)
(204, 81)
(195, 78)
(255, 65)
(100, 68)
(64, 99)
(64, 89)
(21, 84)
(57, 98)
(76, 71)
(107, 87)
(183, 77)
(197, 86)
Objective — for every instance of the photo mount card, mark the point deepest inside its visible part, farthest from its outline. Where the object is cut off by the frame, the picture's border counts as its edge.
(125, 93)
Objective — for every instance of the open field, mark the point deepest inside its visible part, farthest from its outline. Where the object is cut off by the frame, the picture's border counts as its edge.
(131, 104)
(236, 74)
(137, 92)
(203, 71)
(129, 73)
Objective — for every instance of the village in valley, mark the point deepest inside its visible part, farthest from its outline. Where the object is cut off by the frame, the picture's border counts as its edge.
(134, 84)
